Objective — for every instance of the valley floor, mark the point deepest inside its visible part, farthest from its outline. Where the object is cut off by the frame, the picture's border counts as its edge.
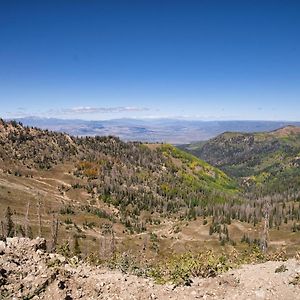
(28, 272)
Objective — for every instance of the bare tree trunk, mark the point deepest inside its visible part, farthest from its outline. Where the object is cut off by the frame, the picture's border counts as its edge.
(27, 220)
(54, 233)
(104, 247)
(39, 218)
(265, 234)
(145, 243)
(100, 245)
(113, 244)
(2, 229)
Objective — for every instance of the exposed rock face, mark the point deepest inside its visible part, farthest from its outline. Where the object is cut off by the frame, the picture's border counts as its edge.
(28, 272)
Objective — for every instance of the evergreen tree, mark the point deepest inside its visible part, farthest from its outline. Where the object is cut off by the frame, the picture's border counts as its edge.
(76, 250)
(9, 223)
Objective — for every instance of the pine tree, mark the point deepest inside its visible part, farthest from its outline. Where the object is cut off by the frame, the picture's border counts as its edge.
(77, 250)
(54, 233)
(9, 223)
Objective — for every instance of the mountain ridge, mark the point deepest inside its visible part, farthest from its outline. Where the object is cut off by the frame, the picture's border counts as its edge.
(260, 156)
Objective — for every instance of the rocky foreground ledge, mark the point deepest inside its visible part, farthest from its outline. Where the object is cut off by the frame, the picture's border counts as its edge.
(27, 271)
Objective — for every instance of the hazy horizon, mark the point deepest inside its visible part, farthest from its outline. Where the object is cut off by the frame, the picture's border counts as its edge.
(154, 118)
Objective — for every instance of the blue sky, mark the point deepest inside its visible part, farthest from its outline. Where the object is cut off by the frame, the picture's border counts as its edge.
(206, 60)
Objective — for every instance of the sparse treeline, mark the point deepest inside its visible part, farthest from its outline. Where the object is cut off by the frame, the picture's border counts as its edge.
(251, 211)
(11, 227)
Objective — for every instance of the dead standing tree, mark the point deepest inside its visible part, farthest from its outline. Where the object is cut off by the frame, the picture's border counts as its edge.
(113, 243)
(54, 233)
(39, 218)
(107, 242)
(27, 220)
(265, 233)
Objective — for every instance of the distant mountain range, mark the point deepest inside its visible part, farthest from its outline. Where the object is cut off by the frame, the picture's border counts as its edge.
(154, 130)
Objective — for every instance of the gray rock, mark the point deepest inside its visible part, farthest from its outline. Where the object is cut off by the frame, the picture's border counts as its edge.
(40, 244)
(2, 247)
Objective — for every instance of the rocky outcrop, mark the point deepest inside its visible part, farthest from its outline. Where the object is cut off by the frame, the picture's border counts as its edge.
(28, 272)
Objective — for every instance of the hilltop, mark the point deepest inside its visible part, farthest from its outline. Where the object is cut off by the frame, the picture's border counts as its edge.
(269, 159)
(286, 131)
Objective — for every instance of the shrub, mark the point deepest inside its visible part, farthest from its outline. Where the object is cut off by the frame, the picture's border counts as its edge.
(180, 268)
(67, 210)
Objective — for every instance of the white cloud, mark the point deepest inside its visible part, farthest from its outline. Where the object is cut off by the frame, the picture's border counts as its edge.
(78, 112)
(103, 110)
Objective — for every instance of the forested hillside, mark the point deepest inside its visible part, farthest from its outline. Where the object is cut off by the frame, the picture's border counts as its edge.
(132, 177)
(268, 160)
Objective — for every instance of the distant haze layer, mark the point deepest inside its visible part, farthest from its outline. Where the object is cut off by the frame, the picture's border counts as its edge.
(159, 130)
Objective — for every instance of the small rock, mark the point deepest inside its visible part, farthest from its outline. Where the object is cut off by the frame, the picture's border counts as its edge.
(13, 242)
(2, 247)
(260, 294)
(61, 285)
(3, 277)
(39, 252)
(61, 258)
(40, 244)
